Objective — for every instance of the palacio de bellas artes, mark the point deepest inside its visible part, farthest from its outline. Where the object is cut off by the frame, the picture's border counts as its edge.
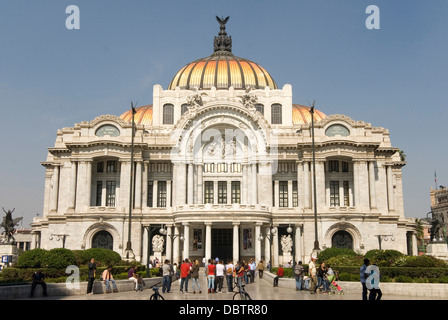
(224, 162)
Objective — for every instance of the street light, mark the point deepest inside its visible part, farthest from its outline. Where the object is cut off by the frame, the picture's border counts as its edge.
(385, 236)
(59, 237)
(129, 252)
(316, 241)
(164, 232)
(272, 232)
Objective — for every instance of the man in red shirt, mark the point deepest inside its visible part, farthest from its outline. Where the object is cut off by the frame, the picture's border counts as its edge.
(184, 273)
(280, 273)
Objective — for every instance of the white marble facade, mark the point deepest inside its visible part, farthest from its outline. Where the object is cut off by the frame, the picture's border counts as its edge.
(218, 174)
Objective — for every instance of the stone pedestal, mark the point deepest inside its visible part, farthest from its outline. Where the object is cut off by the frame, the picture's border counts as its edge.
(8, 250)
(438, 250)
(286, 258)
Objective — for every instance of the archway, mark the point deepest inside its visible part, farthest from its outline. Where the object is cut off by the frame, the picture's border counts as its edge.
(103, 239)
(342, 239)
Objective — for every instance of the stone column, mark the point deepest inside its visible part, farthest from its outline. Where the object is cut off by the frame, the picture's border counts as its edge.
(186, 251)
(298, 242)
(155, 187)
(244, 187)
(390, 188)
(200, 185)
(138, 186)
(208, 240)
(88, 183)
(372, 185)
(290, 193)
(176, 245)
(257, 242)
(300, 195)
(169, 248)
(276, 194)
(275, 247)
(254, 188)
(168, 193)
(265, 184)
(267, 246)
(55, 189)
(72, 194)
(355, 184)
(190, 195)
(306, 184)
(236, 241)
(145, 184)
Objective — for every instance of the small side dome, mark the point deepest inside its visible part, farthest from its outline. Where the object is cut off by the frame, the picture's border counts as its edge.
(143, 115)
(301, 114)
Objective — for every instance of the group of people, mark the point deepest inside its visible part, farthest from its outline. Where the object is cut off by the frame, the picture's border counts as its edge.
(217, 273)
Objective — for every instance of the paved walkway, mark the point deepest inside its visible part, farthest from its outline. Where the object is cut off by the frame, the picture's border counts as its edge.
(261, 289)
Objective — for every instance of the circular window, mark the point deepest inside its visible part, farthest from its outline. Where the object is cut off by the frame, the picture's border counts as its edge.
(337, 130)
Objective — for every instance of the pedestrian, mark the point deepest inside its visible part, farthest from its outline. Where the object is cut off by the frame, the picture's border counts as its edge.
(328, 275)
(239, 275)
(132, 275)
(91, 276)
(195, 276)
(167, 273)
(220, 272)
(260, 269)
(230, 269)
(375, 292)
(184, 274)
(313, 275)
(38, 278)
(299, 270)
(280, 273)
(210, 272)
(252, 267)
(363, 276)
(108, 279)
(321, 271)
(246, 272)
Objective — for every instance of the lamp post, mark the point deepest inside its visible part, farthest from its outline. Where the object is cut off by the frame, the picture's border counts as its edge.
(129, 252)
(163, 231)
(316, 241)
(385, 236)
(273, 231)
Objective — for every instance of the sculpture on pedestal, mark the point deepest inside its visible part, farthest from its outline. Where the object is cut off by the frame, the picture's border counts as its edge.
(9, 224)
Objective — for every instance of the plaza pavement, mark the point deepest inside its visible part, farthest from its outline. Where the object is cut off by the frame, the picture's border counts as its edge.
(261, 289)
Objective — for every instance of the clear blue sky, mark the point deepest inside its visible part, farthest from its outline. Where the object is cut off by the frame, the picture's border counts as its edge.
(51, 77)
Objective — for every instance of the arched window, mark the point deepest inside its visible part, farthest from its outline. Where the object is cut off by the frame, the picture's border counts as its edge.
(103, 239)
(342, 239)
(260, 108)
(168, 114)
(276, 114)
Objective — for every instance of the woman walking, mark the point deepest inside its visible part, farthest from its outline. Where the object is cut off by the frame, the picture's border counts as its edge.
(195, 276)
(211, 276)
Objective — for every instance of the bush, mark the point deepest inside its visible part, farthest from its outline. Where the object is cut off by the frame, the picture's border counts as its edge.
(420, 261)
(59, 258)
(32, 259)
(383, 258)
(328, 253)
(104, 257)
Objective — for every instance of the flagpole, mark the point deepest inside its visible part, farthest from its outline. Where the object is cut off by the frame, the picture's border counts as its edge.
(435, 178)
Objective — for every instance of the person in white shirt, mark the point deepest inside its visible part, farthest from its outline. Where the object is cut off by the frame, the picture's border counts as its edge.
(220, 270)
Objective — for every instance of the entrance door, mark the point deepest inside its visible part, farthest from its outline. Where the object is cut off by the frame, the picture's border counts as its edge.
(222, 244)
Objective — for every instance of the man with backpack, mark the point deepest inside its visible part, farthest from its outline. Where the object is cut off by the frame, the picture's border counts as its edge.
(298, 273)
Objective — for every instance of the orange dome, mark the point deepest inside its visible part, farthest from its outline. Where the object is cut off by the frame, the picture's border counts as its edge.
(222, 70)
(301, 114)
(143, 115)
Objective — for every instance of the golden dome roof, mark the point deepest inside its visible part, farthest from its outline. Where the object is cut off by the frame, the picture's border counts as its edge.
(143, 115)
(222, 69)
(301, 114)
